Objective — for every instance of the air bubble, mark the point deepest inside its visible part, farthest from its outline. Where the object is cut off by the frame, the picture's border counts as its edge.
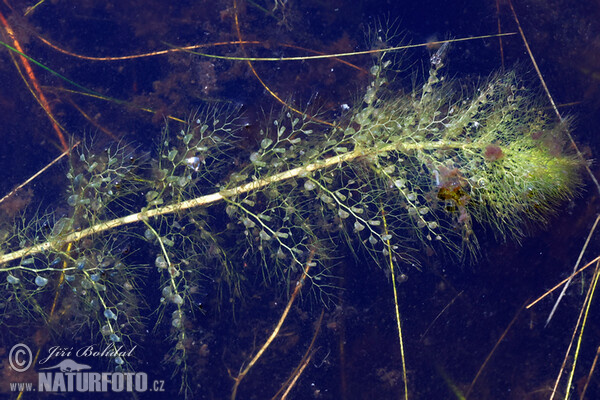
(177, 299)
(160, 262)
(370, 95)
(400, 183)
(41, 281)
(343, 214)
(230, 210)
(266, 142)
(114, 337)
(237, 177)
(78, 180)
(106, 330)
(358, 226)
(340, 196)
(309, 185)
(326, 199)
(149, 235)
(264, 235)
(72, 200)
(280, 254)
(193, 163)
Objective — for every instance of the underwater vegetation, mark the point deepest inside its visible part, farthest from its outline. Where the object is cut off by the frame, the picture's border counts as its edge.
(429, 168)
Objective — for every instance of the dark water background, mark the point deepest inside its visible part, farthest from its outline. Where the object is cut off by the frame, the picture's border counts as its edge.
(357, 354)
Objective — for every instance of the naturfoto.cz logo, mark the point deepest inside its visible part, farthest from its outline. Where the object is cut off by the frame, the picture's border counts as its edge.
(71, 376)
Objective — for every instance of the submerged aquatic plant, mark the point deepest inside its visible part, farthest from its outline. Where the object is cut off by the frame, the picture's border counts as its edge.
(401, 171)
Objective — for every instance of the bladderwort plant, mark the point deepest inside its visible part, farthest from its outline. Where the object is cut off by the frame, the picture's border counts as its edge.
(401, 171)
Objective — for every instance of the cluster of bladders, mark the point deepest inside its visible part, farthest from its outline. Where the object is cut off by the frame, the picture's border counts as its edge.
(433, 162)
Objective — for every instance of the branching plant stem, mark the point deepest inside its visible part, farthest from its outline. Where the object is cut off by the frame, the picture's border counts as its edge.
(217, 196)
